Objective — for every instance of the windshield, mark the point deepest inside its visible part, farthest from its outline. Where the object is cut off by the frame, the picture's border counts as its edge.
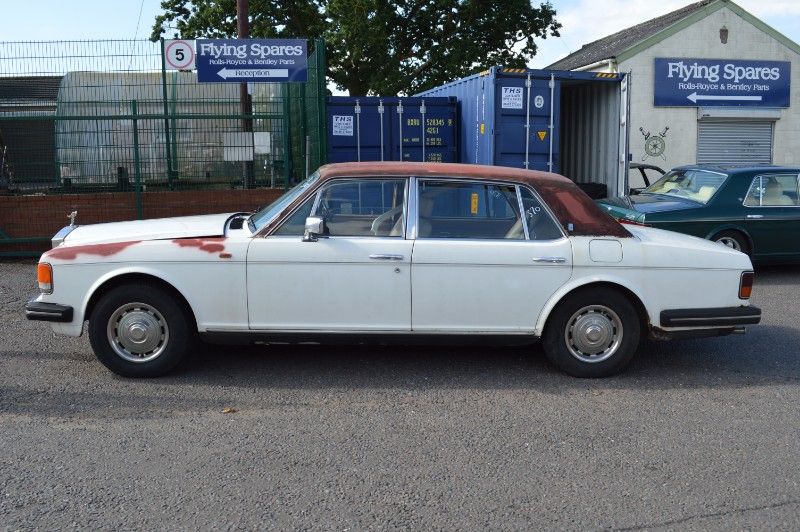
(265, 214)
(695, 185)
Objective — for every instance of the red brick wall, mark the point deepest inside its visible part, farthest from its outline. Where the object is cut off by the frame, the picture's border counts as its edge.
(43, 216)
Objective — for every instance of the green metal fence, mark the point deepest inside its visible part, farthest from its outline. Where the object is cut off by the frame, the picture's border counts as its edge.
(88, 124)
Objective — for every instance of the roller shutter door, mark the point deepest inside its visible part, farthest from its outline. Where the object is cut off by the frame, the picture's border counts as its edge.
(734, 143)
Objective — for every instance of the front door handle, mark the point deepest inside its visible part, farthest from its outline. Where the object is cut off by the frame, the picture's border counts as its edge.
(754, 216)
(385, 256)
(550, 260)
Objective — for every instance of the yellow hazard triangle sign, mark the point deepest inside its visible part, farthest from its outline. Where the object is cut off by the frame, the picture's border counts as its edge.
(541, 134)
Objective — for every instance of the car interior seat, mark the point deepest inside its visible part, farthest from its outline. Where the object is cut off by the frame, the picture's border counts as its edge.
(773, 195)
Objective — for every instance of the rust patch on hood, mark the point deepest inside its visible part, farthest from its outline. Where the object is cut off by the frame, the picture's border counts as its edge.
(102, 250)
(208, 244)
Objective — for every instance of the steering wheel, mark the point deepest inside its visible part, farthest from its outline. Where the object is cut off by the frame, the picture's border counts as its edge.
(388, 215)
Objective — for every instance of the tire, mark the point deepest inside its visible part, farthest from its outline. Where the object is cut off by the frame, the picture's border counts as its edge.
(734, 240)
(611, 334)
(160, 331)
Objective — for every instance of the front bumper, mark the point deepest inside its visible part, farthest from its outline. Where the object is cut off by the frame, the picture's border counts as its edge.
(41, 311)
(711, 317)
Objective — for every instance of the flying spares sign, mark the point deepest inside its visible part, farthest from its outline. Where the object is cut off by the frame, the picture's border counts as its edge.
(251, 60)
(721, 82)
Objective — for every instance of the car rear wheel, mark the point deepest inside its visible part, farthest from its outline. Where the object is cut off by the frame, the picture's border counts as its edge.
(592, 333)
(734, 240)
(140, 331)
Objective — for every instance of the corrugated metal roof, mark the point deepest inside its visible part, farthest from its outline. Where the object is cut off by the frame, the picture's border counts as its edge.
(26, 88)
(612, 45)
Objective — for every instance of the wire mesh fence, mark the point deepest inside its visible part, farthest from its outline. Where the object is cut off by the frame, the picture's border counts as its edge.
(89, 123)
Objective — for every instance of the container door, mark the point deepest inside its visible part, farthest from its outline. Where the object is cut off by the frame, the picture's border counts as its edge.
(357, 130)
(523, 118)
(624, 136)
(425, 130)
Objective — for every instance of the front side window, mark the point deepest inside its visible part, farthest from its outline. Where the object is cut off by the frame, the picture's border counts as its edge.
(774, 191)
(367, 207)
(695, 185)
(449, 209)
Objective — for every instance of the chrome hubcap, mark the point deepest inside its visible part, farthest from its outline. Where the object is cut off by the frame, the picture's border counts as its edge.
(138, 332)
(730, 242)
(593, 334)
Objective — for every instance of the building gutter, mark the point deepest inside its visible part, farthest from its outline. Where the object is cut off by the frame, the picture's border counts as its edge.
(606, 65)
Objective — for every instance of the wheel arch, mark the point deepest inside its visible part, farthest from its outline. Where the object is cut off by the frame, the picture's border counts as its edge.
(731, 227)
(114, 279)
(631, 293)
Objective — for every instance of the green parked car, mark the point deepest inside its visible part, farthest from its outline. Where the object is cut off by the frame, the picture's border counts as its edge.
(754, 210)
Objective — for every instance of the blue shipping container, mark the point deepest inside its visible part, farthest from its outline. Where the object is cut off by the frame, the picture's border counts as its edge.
(560, 121)
(373, 128)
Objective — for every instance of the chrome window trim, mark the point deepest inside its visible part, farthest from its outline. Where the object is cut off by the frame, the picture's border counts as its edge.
(411, 220)
(521, 207)
(762, 176)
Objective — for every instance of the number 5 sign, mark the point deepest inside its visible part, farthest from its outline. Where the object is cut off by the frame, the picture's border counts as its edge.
(179, 54)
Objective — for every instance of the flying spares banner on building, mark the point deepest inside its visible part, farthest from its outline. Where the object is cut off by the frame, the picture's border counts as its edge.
(721, 82)
(251, 60)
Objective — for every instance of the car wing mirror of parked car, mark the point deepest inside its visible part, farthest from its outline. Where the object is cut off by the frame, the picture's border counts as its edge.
(315, 228)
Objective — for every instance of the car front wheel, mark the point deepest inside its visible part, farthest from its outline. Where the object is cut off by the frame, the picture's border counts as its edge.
(140, 331)
(592, 333)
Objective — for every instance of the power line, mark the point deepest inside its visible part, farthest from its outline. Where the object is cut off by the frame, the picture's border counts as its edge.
(136, 33)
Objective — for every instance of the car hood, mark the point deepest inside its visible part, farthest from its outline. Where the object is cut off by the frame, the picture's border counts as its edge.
(632, 207)
(156, 229)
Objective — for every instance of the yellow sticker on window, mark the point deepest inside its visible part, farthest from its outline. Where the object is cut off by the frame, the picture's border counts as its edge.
(483, 128)
(473, 208)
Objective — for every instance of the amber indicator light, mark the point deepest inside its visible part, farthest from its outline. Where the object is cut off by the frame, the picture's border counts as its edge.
(44, 274)
(746, 285)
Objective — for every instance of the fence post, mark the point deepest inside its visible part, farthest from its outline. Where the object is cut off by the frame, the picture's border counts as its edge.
(287, 142)
(137, 169)
(166, 115)
(319, 52)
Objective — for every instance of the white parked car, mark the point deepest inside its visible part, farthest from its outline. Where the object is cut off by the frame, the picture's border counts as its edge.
(388, 251)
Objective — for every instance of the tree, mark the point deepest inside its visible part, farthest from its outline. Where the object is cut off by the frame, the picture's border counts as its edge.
(381, 46)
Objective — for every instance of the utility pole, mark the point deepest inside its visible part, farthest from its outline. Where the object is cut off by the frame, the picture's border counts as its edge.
(246, 102)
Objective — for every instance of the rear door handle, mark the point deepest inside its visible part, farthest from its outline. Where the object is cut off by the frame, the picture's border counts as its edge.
(385, 256)
(550, 260)
(754, 216)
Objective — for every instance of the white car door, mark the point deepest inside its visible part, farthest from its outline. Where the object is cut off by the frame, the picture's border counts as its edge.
(357, 278)
(478, 266)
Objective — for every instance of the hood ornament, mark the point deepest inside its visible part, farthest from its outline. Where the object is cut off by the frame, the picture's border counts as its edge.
(71, 217)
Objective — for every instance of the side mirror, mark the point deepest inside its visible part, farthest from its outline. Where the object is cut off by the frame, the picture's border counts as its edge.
(315, 227)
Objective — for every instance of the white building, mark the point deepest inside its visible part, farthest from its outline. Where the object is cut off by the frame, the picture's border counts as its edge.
(710, 83)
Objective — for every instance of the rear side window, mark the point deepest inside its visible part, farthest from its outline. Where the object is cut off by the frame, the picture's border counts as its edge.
(541, 225)
(782, 190)
(450, 209)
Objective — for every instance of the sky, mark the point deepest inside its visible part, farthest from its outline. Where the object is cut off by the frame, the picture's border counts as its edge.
(583, 20)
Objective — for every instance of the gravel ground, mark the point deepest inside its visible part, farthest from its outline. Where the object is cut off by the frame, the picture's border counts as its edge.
(698, 434)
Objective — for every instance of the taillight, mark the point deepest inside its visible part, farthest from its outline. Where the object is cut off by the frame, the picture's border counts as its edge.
(746, 285)
(44, 274)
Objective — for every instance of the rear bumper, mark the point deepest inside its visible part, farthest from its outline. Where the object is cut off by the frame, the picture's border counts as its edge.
(41, 311)
(711, 317)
